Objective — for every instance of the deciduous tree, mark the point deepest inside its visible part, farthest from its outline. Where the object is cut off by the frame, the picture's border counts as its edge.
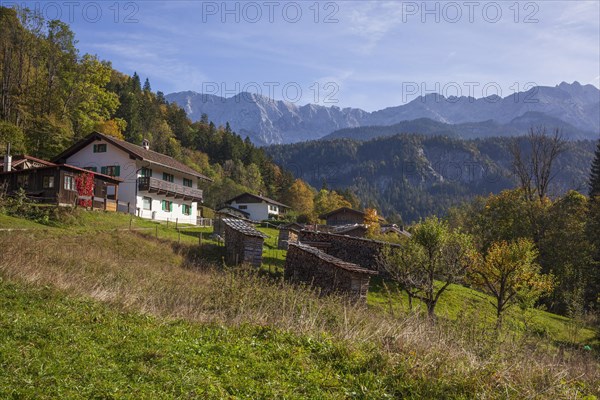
(510, 274)
(432, 259)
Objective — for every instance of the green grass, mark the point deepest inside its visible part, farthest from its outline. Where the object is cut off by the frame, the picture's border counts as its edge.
(459, 302)
(456, 302)
(163, 325)
(57, 346)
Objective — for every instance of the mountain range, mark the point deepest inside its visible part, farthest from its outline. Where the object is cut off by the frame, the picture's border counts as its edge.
(573, 107)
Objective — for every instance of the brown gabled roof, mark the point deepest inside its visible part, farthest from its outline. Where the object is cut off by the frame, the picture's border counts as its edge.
(339, 210)
(22, 158)
(259, 197)
(69, 167)
(346, 209)
(135, 151)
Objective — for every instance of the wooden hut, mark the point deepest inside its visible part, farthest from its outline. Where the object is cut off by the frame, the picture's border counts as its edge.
(243, 243)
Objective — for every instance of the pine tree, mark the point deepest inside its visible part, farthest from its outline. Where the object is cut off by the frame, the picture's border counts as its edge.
(147, 87)
(595, 174)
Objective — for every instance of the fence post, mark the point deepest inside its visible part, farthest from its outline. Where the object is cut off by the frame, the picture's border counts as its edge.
(128, 207)
(105, 202)
(157, 231)
(130, 222)
(176, 223)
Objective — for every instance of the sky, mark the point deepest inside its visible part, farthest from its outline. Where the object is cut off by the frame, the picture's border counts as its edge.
(364, 54)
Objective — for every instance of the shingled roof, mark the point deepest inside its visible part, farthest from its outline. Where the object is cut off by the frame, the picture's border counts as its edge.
(333, 260)
(243, 227)
(135, 151)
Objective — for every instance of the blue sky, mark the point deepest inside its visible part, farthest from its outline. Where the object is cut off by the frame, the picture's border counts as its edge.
(366, 54)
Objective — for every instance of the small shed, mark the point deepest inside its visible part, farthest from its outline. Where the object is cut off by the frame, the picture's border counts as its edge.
(227, 212)
(313, 266)
(288, 234)
(243, 243)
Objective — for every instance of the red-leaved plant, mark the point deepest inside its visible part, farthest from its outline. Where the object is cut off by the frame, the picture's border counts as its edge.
(85, 187)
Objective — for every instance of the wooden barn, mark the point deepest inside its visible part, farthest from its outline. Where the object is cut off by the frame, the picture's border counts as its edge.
(312, 266)
(243, 243)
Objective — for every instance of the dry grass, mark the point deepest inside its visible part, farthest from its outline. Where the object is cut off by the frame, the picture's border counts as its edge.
(135, 273)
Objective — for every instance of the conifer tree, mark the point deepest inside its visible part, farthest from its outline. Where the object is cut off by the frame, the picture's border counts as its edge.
(595, 174)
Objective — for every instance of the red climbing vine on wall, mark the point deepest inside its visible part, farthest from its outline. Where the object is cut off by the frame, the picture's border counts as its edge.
(85, 187)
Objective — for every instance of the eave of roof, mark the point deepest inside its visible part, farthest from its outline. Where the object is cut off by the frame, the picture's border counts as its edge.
(135, 151)
(65, 166)
(263, 198)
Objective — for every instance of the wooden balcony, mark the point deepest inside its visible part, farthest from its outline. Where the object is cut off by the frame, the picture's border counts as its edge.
(169, 189)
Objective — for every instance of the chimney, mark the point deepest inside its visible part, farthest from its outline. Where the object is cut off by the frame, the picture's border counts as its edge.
(146, 144)
(7, 159)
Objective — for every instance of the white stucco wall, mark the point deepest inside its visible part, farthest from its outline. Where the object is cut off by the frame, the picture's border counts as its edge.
(130, 171)
(257, 211)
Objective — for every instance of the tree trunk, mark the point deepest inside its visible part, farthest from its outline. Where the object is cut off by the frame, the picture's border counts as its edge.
(431, 308)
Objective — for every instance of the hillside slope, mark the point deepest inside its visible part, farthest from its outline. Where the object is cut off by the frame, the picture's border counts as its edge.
(519, 126)
(120, 314)
(417, 175)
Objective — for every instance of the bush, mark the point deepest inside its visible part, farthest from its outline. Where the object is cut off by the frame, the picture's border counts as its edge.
(20, 206)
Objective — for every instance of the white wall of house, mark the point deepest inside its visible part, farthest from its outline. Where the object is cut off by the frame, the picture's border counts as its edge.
(257, 211)
(157, 213)
(130, 170)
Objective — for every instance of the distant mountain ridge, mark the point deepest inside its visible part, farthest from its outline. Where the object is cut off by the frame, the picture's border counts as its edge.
(421, 175)
(465, 130)
(574, 107)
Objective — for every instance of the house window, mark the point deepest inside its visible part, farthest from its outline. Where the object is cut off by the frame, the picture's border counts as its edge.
(243, 207)
(186, 209)
(168, 177)
(167, 205)
(146, 172)
(48, 182)
(147, 203)
(187, 182)
(100, 148)
(92, 169)
(69, 183)
(111, 170)
(23, 181)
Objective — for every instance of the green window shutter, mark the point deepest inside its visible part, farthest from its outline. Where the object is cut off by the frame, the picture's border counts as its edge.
(117, 170)
(95, 148)
(171, 206)
(103, 170)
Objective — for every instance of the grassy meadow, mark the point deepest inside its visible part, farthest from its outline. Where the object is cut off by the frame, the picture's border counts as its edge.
(93, 310)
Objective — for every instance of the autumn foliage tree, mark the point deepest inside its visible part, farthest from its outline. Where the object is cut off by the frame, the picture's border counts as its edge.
(372, 222)
(431, 260)
(510, 274)
(300, 197)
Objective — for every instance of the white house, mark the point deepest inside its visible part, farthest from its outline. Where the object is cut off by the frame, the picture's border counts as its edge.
(258, 208)
(157, 186)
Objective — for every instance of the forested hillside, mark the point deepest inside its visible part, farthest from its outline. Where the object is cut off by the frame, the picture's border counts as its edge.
(417, 175)
(51, 96)
(466, 130)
